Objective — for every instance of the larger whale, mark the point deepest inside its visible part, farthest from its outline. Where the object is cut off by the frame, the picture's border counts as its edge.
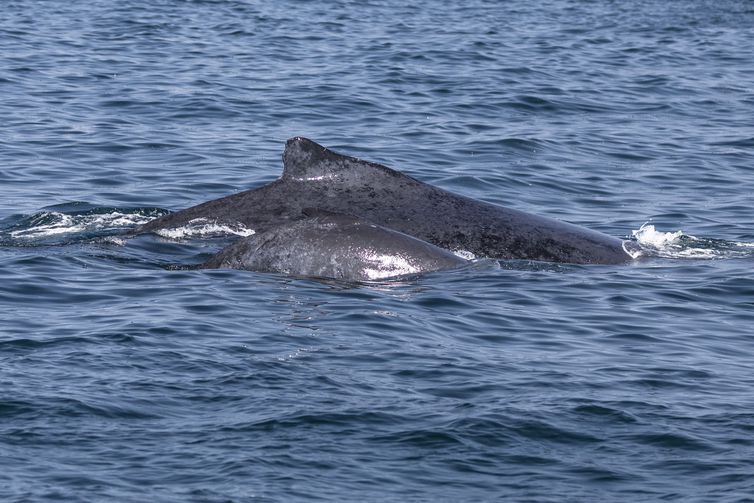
(316, 177)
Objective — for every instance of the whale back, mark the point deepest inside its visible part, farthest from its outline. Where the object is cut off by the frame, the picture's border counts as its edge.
(314, 176)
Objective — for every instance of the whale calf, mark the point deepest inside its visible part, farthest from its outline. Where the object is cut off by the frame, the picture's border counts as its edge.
(337, 246)
(314, 176)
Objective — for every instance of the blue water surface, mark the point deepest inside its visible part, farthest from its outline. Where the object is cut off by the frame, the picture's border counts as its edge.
(126, 377)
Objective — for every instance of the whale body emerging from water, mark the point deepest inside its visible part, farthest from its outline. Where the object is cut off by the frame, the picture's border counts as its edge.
(316, 177)
(332, 245)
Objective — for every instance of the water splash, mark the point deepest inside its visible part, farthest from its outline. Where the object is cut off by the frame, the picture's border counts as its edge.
(52, 223)
(649, 242)
(69, 223)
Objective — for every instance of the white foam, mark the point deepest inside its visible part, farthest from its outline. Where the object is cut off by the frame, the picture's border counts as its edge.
(678, 244)
(204, 227)
(115, 240)
(669, 244)
(647, 235)
(632, 248)
(61, 223)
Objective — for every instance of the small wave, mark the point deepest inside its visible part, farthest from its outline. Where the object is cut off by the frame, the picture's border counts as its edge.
(205, 228)
(648, 241)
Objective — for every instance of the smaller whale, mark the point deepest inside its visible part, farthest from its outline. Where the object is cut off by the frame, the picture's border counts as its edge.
(336, 246)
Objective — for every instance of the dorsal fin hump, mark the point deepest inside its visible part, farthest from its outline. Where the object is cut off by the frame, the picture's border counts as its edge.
(304, 159)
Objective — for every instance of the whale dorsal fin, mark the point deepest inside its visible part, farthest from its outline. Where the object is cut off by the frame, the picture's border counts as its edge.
(304, 159)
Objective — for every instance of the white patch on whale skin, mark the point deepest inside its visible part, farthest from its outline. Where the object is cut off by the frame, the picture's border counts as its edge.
(388, 266)
(312, 178)
(205, 227)
(464, 254)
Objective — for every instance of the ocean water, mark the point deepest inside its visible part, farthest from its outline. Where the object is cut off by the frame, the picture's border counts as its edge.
(127, 377)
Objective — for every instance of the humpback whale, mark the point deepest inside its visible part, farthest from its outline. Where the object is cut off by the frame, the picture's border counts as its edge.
(332, 245)
(316, 177)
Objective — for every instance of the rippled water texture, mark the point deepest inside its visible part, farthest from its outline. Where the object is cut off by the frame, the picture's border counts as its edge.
(127, 376)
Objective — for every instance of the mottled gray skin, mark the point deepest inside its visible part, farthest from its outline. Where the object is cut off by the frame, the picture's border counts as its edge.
(314, 176)
(330, 245)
